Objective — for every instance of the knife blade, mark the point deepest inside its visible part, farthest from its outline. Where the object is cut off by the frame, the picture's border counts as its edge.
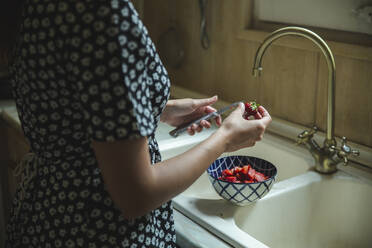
(177, 131)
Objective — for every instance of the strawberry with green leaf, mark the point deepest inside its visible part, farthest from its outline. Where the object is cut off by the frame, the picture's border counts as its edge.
(251, 109)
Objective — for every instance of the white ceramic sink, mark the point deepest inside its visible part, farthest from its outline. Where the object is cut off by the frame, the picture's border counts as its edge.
(306, 211)
(303, 209)
(321, 211)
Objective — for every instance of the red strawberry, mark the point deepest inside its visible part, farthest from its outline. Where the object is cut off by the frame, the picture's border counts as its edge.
(246, 169)
(251, 109)
(244, 174)
(259, 177)
(237, 169)
(251, 173)
(227, 173)
(230, 179)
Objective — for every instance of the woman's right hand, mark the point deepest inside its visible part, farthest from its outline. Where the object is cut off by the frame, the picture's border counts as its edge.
(241, 133)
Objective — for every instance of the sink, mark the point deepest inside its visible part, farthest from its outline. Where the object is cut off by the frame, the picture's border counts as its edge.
(308, 210)
(303, 209)
(326, 211)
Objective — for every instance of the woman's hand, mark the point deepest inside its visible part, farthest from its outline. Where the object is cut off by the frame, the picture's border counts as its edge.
(242, 133)
(182, 111)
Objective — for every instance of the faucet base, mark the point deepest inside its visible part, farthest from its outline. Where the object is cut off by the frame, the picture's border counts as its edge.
(325, 170)
(325, 165)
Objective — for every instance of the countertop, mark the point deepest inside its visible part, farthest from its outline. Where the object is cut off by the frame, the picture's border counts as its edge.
(189, 234)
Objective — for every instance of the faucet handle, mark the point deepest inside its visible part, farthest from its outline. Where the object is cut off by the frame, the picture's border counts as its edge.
(344, 151)
(306, 135)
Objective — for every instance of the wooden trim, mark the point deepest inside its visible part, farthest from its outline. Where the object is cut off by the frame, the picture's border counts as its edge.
(338, 48)
(246, 20)
(327, 34)
(342, 43)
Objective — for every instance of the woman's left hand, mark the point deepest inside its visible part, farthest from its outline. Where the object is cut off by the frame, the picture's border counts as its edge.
(182, 111)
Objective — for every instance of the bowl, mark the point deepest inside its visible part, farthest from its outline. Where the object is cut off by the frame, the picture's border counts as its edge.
(241, 193)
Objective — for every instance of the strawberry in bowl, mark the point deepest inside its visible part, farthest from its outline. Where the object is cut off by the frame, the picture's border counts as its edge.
(242, 180)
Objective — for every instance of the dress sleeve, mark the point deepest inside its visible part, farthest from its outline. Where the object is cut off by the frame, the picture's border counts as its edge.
(108, 59)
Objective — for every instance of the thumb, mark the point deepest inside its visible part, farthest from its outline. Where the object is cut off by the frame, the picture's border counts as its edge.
(240, 109)
(205, 102)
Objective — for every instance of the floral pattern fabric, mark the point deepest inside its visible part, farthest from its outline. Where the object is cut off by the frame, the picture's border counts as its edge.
(83, 70)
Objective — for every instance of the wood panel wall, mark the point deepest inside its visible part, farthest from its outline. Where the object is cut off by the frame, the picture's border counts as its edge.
(293, 84)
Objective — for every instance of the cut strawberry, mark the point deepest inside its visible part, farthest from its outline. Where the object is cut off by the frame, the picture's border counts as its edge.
(230, 179)
(251, 173)
(244, 174)
(227, 173)
(246, 169)
(259, 177)
(237, 169)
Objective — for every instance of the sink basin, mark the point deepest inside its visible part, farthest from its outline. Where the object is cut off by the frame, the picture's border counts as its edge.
(303, 209)
(309, 210)
(328, 211)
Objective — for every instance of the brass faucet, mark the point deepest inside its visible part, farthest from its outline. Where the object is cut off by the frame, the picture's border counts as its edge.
(328, 156)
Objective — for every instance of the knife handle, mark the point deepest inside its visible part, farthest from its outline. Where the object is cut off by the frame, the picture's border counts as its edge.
(183, 128)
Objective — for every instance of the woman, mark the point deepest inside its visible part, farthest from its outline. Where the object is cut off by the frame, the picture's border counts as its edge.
(90, 90)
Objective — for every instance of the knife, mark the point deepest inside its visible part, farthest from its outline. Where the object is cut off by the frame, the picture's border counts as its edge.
(183, 128)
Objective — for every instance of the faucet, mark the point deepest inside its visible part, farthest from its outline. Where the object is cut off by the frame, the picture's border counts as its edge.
(326, 157)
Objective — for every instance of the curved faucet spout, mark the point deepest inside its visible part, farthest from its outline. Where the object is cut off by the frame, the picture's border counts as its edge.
(298, 31)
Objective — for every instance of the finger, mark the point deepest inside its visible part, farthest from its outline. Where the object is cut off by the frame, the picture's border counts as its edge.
(218, 120)
(263, 111)
(240, 109)
(205, 124)
(194, 127)
(258, 116)
(190, 131)
(199, 129)
(266, 118)
(205, 102)
(209, 109)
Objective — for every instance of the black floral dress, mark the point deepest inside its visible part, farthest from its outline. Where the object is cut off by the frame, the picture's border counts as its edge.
(83, 70)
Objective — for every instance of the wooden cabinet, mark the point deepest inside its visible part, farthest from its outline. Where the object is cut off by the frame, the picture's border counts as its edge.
(293, 86)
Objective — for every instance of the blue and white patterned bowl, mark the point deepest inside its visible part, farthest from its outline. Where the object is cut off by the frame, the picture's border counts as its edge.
(241, 193)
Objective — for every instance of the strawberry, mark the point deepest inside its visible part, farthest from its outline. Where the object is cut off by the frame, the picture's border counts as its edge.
(246, 169)
(251, 110)
(259, 177)
(237, 169)
(227, 173)
(242, 174)
(230, 179)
